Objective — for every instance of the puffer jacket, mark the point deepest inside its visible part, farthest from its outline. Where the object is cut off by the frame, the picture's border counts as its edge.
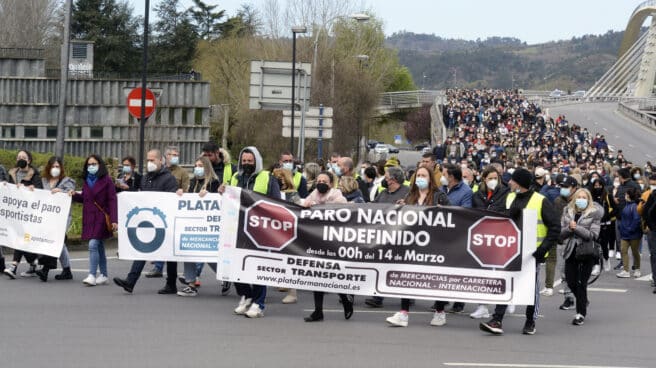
(587, 227)
(630, 225)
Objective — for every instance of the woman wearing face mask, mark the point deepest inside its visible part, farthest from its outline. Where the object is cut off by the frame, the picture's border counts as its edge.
(491, 196)
(607, 232)
(326, 194)
(128, 179)
(54, 179)
(423, 192)
(98, 197)
(23, 174)
(204, 181)
(580, 222)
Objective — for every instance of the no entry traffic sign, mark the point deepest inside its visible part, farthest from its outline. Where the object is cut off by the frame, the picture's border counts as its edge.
(134, 103)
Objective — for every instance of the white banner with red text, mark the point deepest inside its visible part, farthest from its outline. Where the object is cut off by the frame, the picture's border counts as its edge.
(33, 220)
(437, 253)
(158, 226)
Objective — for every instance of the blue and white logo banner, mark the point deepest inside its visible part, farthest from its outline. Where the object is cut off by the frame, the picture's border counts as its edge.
(155, 226)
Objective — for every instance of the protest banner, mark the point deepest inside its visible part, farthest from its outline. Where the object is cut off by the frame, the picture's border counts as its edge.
(446, 253)
(33, 220)
(158, 226)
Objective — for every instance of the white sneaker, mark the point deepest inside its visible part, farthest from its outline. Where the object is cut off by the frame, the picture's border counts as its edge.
(624, 274)
(561, 291)
(90, 280)
(480, 312)
(439, 318)
(637, 273)
(243, 306)
(398, 319)
(611, 253)
(618, 255)
(255, 311)
(607, 265)
(101, 280)
(596, 270)
(291, 297)
(511, 309)
(546, 292)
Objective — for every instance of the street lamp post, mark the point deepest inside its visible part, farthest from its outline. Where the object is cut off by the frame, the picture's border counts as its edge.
(362, 59)
(295, 30)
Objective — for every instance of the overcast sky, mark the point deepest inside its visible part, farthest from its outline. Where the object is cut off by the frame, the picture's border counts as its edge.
(532, 21)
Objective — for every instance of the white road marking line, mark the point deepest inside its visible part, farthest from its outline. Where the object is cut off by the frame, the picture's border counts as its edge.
(632, 146)
(648, 155)
(86, 259)
(608, 290)
(457, 364)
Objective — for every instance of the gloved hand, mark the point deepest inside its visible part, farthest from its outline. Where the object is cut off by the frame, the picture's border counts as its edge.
(540, 254)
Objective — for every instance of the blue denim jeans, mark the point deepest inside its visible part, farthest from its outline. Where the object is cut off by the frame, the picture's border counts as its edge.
(192, 270)
(257, 293)
(97, 258)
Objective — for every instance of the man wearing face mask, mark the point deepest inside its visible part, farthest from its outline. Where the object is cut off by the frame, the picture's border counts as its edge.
(548, 230)
(345, 167)
(393, 192)
(173, 164)
(286, 161)
(157, 179)
(250, 176)
(220, 160)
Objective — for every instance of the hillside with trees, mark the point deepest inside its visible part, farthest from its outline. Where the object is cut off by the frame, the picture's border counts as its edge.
(574, 64)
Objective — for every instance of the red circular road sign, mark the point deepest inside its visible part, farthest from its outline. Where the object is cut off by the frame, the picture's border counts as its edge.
(270, 226)
(134, 103)
(494, 241)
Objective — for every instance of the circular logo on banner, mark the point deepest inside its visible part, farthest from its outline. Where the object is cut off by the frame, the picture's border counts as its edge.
(146, 229)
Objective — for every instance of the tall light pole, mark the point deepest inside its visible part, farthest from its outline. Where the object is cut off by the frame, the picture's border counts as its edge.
(295, 30)
(61, 112)
(362, 59)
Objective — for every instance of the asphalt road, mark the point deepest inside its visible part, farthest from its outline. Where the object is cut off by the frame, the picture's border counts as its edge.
(636, 140)
(65, 324)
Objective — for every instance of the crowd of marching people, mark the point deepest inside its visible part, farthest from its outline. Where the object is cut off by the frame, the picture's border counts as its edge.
(502, 153)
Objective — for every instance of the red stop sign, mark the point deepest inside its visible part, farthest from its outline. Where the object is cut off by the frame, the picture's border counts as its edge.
(134, 103)
(494, 241)
(270, 226)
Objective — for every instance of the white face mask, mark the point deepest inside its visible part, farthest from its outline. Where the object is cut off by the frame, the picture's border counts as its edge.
(151, 166)
(492, 184)
(444, 180)
(54, 172)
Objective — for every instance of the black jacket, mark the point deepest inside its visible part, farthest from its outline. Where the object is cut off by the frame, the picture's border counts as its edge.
(496, 203)
(649, 212)
(196, 184)
(550, 218)
(159, 181)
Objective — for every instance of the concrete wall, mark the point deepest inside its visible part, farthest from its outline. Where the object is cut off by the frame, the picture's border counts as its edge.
(22, 67)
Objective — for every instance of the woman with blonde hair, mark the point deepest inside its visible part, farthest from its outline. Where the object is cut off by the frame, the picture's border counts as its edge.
(311, 171)
(580, 223)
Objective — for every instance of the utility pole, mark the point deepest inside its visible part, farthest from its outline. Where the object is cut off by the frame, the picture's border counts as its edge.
(63, 80)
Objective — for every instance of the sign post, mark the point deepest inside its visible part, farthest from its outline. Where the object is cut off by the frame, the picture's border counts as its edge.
(141, 104)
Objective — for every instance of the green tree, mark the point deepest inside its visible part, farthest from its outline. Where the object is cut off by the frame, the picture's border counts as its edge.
(401, 81)
(114, 31)
(175, 39)
(206, 19)
(247, 22)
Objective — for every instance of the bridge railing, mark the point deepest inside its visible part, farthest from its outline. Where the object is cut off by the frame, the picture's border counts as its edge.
(407, 98)
(637, 115)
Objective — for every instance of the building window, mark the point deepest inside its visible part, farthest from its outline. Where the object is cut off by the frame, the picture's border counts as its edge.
(51, 132)
(9, 132)
(79, 50)
(31, 132)
(96, 132)
(198, 116)
(171, 116)
(74, 132)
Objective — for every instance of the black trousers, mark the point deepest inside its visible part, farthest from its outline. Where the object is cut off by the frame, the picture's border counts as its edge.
(318, 300)
(607, 238)
(29, 257)
(577, 273)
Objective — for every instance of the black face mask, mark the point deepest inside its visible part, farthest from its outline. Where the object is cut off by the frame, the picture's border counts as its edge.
(597, 191)
(323, 188)
(384, 183)
(248, 169)
(21, 163)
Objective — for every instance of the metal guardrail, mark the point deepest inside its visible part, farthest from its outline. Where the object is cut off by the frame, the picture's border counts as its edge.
(20, 53)
(81, 74)
(407, 98)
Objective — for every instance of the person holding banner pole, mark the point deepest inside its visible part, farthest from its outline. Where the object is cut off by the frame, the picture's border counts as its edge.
(157, 179)
(251, 176)
(204, 181)
(424, 191)
(325, 193)
(548, 231)
(26, 175)
(54, 178)
(98, 198)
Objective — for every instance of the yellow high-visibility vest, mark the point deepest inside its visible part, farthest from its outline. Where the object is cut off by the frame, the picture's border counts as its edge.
(535, 203)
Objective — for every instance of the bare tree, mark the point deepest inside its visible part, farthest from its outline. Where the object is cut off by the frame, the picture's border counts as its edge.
(29, 23)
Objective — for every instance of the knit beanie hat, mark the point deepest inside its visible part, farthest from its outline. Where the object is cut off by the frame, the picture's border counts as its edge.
(522, 177)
